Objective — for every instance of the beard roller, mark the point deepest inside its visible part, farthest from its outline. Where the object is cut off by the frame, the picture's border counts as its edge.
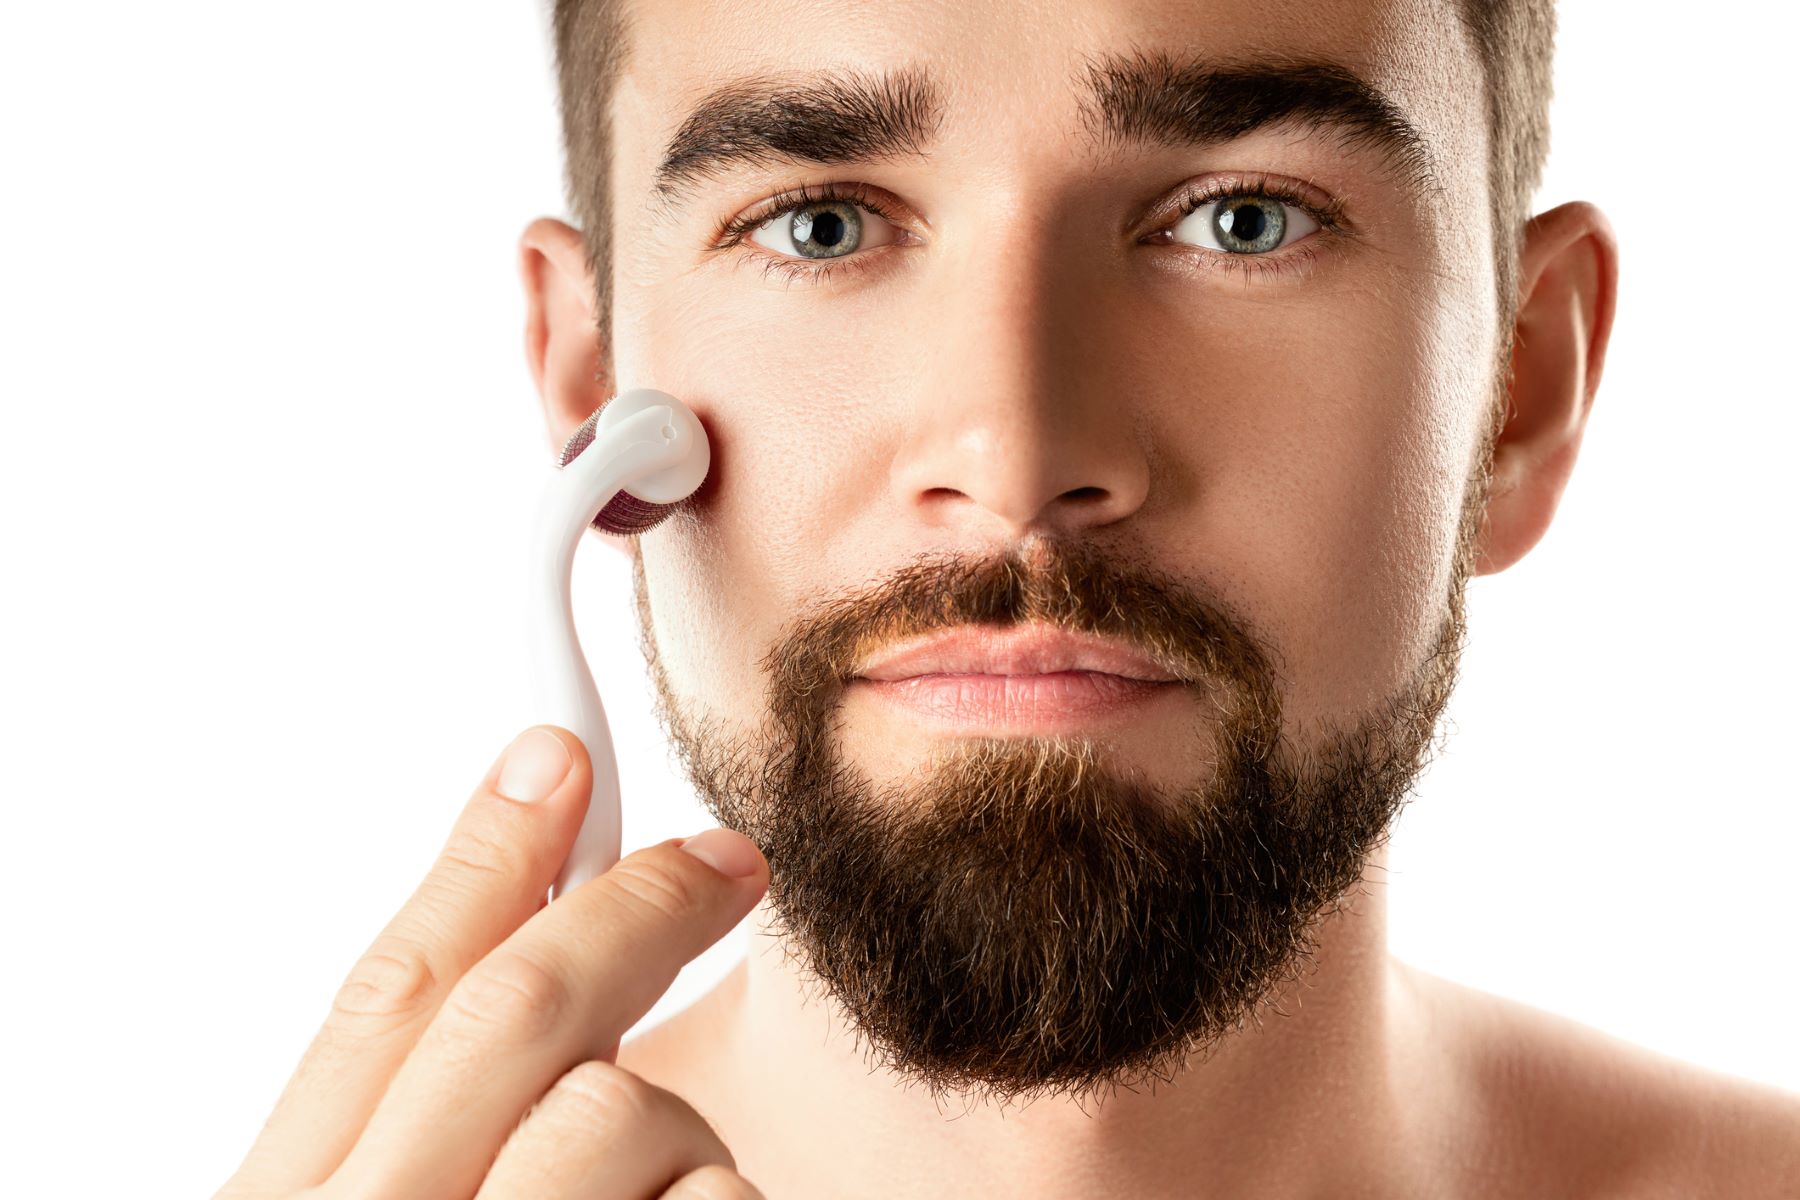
(622, 471)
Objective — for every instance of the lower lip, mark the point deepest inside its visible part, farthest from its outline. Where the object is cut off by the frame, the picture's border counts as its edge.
(1020, 703)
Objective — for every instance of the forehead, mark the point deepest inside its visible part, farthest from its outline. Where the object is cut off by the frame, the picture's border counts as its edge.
(1012, 80)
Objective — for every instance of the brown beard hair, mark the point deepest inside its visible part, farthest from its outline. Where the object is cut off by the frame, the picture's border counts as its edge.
(1017, 918)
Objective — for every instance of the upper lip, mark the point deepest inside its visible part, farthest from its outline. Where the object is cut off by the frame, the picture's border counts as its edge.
(1032, 649)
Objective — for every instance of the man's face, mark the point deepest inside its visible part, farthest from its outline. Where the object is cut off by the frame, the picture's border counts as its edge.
(1030, 389)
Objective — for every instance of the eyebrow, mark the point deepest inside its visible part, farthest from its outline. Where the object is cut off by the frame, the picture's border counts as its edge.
(1141, 99)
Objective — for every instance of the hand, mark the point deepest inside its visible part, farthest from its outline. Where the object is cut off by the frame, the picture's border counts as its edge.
(471, 1050)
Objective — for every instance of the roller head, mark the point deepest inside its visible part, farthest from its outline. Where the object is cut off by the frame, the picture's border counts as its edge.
(628, 513)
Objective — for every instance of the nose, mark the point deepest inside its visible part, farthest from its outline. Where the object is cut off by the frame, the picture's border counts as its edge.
(1018, 425)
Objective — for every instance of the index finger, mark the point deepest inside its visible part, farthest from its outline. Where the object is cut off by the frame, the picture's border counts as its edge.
(493, 873)
(562, 990)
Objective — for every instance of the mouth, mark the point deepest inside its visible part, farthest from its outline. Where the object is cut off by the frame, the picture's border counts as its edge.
(1020, 679)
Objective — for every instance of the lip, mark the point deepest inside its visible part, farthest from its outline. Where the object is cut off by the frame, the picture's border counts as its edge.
(1059, 701)
(1018, 679)
(1034, 649)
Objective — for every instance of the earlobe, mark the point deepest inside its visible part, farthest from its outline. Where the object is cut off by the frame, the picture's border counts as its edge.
(562, 346)
(1568, 284)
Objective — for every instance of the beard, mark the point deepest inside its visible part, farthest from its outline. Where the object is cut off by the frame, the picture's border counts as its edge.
(1017, 917)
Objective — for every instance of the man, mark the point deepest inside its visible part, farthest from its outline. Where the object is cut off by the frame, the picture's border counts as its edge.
(1108, 406)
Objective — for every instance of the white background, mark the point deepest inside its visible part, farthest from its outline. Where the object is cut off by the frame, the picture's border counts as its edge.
(269, 446)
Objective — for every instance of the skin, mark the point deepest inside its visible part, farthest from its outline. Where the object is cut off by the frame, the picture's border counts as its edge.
(472, 1049)
(1322, 498)
(942, 403)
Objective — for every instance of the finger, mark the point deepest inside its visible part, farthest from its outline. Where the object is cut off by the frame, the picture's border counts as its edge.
(565, 988)
(713, 1183)
(603, 1133)
(492, 875)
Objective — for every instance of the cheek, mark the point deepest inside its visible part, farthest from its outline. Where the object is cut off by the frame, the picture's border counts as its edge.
(688, 344)
(725, 577)
(1330, 487)
(798, 459)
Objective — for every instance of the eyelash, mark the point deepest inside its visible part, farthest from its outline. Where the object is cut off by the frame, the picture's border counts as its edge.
(790, 200)
(1329, 215)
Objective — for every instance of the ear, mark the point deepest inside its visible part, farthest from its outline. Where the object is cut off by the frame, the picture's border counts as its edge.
(1568, 284)
(562, 340)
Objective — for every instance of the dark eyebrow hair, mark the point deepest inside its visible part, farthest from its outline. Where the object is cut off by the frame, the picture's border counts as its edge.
(829, 118)
(1151, 98)
(839, 117)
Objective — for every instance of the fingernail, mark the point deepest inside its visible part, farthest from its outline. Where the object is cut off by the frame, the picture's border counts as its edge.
(535, 763)
(726, 851)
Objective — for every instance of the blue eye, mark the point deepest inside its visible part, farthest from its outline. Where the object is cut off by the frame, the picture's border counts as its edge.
(1243, 223)
(1235, 225)
(823, 229)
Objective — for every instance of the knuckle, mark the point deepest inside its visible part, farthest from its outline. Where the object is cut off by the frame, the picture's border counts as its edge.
(392, 983)
(713, 1182)
(474, 854)
(512, 995)
(602, 1092)
(652, 890)
(598, 1093)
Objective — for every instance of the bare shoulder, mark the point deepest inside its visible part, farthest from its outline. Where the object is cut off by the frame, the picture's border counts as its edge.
(1563, 1108)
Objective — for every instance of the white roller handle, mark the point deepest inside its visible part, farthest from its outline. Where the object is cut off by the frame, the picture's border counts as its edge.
(562, 683)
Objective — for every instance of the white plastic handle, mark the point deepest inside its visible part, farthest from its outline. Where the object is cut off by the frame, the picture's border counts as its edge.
(634, 447)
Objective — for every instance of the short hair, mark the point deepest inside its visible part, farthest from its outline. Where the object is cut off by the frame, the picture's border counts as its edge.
(1514, 42)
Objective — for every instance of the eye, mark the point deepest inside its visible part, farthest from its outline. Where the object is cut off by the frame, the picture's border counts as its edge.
(822, 229)
(808, 234)
(1243, 223)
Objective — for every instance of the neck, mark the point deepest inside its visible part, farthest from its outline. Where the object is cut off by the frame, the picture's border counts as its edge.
(1312, 1098)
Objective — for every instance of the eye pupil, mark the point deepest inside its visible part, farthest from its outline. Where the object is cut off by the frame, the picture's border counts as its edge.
(827, 231)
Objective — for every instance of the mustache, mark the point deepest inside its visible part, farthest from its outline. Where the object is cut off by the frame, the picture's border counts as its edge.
(1073, 585)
